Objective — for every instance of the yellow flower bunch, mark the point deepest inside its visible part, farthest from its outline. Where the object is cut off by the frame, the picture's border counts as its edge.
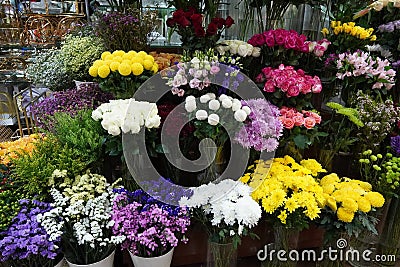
(350, 28)
(346, 196)
(124, 63)
(10, 150)
(285, 187)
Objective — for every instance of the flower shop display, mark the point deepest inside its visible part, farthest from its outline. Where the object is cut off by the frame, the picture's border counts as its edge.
(25, 242)
(165, 60)
(88, 96)
(228, 212)
(150, 229)
(290, 195)
(121, 73)
(11, 149)
(194, 36)
(81, 217)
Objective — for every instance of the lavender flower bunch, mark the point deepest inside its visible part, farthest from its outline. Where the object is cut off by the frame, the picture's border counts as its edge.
(25, 242)
(150, 228)
(390, 26)
(263, 128)
(71, 101)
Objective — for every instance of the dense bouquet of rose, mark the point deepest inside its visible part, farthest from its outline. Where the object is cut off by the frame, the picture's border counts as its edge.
(149, 228)
(121, 73)
(189, 25)
(349, 205)
(226, 210)
(81, 217)
(26, 243)
(238, 48)
(287, 190)
(289, 87)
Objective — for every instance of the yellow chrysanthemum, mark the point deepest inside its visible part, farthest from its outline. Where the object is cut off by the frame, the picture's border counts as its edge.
(328, 188)
(330, 179)
(142, 54)
(104, 54)
(124, 69)
(350, 205)
(245, 178)
(114, 66)
(312, 211)
(127, 61)
(93, 71)
(108, 62)
(103, 71)
(278, 197)
(376, 199)
(331, 203)
(98, 63)
(147, 64)
(137, 69)
(267, 205)
(283, 216)
(344, 215)
(118, 53)
(363, 204)
(137, 60)
(127, 56)
(132, 53)
(291, 205)
(149, 57)
(109, 57)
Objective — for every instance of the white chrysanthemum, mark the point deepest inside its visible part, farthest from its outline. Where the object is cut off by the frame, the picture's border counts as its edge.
(205, 98)
(213, 119)
(214, 104)
(246, 109)
(222, 97)
(201, 115)
(190, 106)
(226, 102)
(240, 115)
(211, 95)
(236, 105)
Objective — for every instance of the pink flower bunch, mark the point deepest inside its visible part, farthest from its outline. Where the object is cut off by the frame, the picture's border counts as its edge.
(362, 64)
(290, 118)
(289, 39)
(290, 81)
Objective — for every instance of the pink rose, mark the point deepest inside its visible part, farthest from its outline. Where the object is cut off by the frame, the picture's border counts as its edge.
(269, 38)
(305, 87)
(319, 50)
(260, 78)
(280, 36)
(288, 123)
(291, 112)
(269, 86)
(309, 122)
(298, 120)
(283, 110)
(267, 72)
(293, 91)
(280, 82)
(290, 42)
(316, 117)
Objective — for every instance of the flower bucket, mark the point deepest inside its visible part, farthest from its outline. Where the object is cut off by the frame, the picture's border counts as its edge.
(107, 262)
(161, 261)
(61, 263)
(221, 255)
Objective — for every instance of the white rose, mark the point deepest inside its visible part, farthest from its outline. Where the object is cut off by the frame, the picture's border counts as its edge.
(240, 115)
(226, 103)
(213, 119)
(236, 105)
(201, 115)
(247, 109)
(249, 49)
(242, 50)
(233, 48)
(256, 52)
(190, 106)
(220, 50)
(204, 98)
(214, 104)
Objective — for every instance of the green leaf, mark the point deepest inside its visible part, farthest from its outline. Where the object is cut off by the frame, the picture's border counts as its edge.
(301, 141)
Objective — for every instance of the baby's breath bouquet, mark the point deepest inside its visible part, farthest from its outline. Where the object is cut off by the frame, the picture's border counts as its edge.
(81, 216)
(121, 73)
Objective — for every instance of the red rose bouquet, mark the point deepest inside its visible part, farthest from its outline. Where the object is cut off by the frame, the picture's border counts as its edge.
(194, 34)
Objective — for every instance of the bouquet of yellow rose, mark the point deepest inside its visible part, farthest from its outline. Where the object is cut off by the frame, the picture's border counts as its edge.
(121, 73)
(287, 190)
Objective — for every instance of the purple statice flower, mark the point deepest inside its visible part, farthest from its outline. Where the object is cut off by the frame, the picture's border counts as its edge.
(395, 144)
(396, 64)
(263, 128)
(149, 227)
(26, 240)
(390, 26)
(71, 101)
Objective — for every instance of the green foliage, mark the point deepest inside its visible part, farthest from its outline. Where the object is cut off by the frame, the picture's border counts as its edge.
(32, 171)
(81, 133)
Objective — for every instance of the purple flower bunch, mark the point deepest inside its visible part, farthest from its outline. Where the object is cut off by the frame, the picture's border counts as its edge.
(390, 26)
(263, 128)
(150, 228)
(88, 96)
(26, 242)
(395, 144)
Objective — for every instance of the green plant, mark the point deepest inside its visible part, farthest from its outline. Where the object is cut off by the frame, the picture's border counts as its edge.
(32, 171)
(81, 133)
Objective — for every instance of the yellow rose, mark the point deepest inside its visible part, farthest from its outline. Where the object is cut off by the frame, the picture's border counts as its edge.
(137, 69)
(114, 65)
(373, 38)
(325, 31)
(147, 64)
(103, 71)
(124, 69)
(93, 71)
(344, 215)
(104, 54)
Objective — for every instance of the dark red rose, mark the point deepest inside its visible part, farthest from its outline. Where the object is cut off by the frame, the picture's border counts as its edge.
(220, 22)
(183, 21)
(280, 36)
(190, 12)
(199, 31)
(257, 40)
(171, 22)
(269, 38)
(196, 19)
(212, 29)
(178, 14)
(229, 22)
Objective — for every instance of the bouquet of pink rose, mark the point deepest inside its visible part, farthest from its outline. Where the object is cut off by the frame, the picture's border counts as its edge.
(289, 87)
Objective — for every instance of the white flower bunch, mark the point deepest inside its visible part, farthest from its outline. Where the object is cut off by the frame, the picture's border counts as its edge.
(127, 115)
(212, 109)
(378, 48)
(237, 47)
(226, 203)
